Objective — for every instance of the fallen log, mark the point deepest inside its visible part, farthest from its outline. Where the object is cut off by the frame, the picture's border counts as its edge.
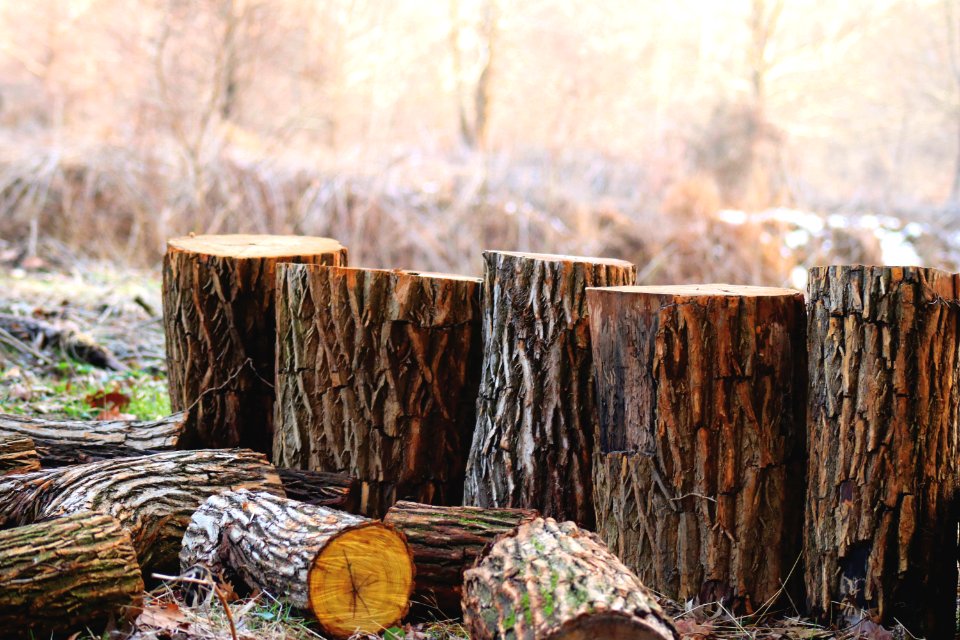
(65, 442)
(41, 335)
(322, 489)
(445, 542)
(533, 441)
(699, 473)
(550, 580)
(376, 377)
(65, 574)
(353, 574)
(881, 521)
(219, 317)
(152, 496)
(17, 455)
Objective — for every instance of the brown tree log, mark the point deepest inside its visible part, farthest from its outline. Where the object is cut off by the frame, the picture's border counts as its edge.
(353, 574)
(376, 377)
(881, 521)
(218, 306)
(321, 488)
(535, 415)
(17, 455)
(700, 468)
(66, 442)
(550, 580)
(66, 574)
(446, 541)
(152, 496)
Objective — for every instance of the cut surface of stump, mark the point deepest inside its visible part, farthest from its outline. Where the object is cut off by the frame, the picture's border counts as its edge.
(152, 496)
(535, 414)
(698, 477)
(377, 378)
(219, 317)
(445, 542)
(64, 574)
(881, 521)
(549, 580)
(353, 574)
(18, 454)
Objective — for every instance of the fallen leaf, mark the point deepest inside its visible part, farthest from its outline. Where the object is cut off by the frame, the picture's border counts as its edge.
(105, 399)
(165, 615)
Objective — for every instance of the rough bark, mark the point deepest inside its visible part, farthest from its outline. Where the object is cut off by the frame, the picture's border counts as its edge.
(219, 316)
(34, 334)
(535, 415)
(66, 442)
(699, 475)
(446, 541)
(881, 520)
(321, 488)
(353, 574)
(66, 574)
(17, 455)
(550, 580)
(152, 496)
(376, 377)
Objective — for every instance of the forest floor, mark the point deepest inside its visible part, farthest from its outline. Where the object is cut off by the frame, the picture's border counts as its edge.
(120, 310)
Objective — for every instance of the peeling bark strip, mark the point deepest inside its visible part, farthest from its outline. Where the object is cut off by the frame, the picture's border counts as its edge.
(549, 580)
(355, 575)
(535, 414)
(699, 474)
(218, 309)
(63, 574)
(445, 542)
(152, 496)
(65, 442)
(881, 525)
(376, 377)
(17, 455)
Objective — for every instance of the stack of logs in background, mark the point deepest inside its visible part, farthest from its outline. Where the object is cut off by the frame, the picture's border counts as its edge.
(385, 427)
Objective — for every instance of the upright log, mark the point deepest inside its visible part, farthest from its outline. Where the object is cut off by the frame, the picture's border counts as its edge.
(67, 574)
(881, 521)
(64, 442)
(699, 474)
(535, 415)
(218, 309)
(17, 455)
(152, 496)
(446, 541)
(376, 378)
(353, 574)
(549, 580)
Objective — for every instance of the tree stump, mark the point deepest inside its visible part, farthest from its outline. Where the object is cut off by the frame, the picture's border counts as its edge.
(355, 575)
(64, 574)
(376, 378)
(535, 415)
(700, 468)
(65, 442)
(445, 542)
(549, 580)
(219, 316)
(17, 455)
(881, 521)
(152, 496)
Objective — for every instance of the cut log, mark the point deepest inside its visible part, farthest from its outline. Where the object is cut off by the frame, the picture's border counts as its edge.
(218, 310)
(376, 378)
(446, 541)
(17, 455)
(535, 415)
(65, 574)
(321, 488)
(34, 334)
(881, 522)
(152, 496)
(66, 442)
(550, 580)
(353, 574)
(700, 468)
